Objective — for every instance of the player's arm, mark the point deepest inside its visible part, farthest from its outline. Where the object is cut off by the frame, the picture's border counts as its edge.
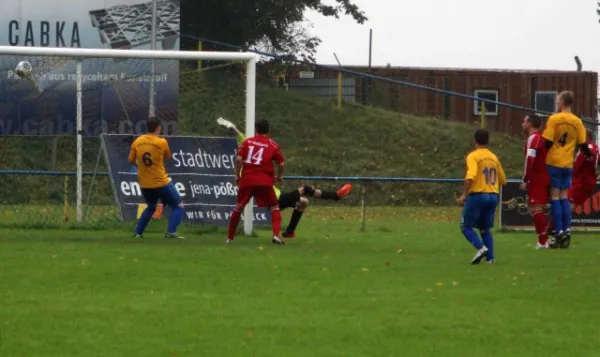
(280, 161)
(132, 155)
(167, 151)
(469, 178)
(549, 132)
(582, 139)
(530, 155)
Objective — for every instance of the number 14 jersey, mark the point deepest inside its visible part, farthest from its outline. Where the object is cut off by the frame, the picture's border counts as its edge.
(258, 154)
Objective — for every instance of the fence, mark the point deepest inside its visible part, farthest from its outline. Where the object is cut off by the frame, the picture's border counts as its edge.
(452, 94)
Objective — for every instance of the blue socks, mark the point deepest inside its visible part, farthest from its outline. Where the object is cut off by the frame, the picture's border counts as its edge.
(472, 237)
(175, 219)
(556, 209)
(144, 220)
(566, 214)
(488, 241)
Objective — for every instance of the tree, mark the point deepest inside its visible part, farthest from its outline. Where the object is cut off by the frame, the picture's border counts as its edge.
(278, 26)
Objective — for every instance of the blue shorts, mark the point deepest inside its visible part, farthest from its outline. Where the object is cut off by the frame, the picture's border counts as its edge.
(167, 194)
(560, 177)
(479, 211)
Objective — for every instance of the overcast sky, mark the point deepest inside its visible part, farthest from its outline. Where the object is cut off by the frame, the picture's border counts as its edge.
(511, 34)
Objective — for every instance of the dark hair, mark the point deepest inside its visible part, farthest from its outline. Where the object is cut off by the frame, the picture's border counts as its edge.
(567, 97)
(153, 123)
(482, 136)
(262, 127)
(535, 120)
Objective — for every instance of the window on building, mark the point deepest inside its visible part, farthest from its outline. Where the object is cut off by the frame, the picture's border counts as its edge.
(545, 101)
(490, 108)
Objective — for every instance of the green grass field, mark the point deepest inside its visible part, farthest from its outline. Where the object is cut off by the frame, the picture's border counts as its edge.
(402, 288)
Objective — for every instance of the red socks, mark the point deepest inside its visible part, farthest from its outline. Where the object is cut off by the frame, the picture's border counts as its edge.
(541, 226)
(276, 221)
(234, 220)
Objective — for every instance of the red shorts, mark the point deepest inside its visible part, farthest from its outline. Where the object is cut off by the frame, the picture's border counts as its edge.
(580, 192)
(264, 195)
(537, 194)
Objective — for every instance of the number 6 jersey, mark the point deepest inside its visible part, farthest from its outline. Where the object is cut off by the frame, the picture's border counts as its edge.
(258, 154)
(150, 153)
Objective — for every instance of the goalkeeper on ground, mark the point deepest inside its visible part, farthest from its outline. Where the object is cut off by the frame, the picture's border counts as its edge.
(296, 199)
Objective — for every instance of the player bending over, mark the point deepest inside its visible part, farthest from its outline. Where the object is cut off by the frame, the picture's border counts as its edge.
(584, 179)
(480, 197)
(149, 153)
(255, 176)
(564, 132)
(296, 199)
(536, 181)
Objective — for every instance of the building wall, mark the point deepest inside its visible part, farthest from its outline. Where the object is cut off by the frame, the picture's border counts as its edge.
(514, 87)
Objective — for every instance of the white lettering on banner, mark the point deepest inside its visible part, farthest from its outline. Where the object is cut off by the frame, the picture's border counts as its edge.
(259, 216)
(132, 188)
(92, 77)
(44, 34)
(203, 159)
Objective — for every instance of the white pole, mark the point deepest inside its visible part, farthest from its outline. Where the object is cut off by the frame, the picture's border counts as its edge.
(79, 163)
(250, 120)
(152, 105)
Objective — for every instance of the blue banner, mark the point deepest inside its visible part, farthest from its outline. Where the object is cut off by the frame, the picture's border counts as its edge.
(115, 92)
(201, 169)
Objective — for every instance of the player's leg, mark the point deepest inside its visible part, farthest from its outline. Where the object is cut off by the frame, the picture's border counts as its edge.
(296, 216)
(566, 206)
(537, 196)
(267, 195)
(326, 195)
(470, 215)
(151, 198)
(486, 223)
(243, 197)
(555, 204)
(170, 197)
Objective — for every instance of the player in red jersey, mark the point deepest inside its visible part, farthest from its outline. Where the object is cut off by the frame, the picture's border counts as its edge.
(584, 174)
(255, 176)
(584, 179)
(536, 180)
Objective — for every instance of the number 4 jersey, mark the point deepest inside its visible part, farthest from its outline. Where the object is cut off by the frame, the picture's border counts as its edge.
(484, 168)
(150, 153)
(565, 131)
(258, 154)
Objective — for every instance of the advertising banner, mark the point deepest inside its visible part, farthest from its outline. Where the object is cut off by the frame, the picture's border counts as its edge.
(201, 169)
(514, 213)
(115, 92)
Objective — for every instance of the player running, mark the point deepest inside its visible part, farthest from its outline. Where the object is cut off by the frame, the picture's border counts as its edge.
(584, 179)
(480, 197)
(296, 199)
(536, 181)
(255, 176)
(564, 132)
(149, 153)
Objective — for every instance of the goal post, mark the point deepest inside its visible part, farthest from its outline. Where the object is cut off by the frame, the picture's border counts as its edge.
(77, 55)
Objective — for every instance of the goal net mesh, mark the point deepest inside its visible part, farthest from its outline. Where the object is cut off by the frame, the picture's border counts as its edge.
(37, 127)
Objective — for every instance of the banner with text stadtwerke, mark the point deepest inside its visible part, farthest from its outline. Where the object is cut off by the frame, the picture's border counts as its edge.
(201, 169)
(115, 92)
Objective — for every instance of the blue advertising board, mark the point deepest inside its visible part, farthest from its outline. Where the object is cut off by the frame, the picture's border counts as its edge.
(115, 92)
(201, 169)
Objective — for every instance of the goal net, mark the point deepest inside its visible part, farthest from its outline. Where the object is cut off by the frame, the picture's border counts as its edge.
(54, 123)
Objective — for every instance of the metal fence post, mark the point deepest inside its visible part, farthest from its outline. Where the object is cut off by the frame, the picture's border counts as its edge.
(363, 204)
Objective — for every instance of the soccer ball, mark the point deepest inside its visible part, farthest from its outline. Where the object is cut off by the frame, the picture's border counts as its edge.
(23, 69)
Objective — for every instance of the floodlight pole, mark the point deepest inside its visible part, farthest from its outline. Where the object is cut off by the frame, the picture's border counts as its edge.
(339, 84)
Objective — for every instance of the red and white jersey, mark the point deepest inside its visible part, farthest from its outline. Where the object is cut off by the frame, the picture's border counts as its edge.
(584, 169)
(535, 159)
(258, 153)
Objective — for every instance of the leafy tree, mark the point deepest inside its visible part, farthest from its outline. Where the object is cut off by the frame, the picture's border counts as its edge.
(271, 25)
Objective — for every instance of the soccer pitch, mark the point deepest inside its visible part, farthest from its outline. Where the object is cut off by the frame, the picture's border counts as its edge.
(402, 288)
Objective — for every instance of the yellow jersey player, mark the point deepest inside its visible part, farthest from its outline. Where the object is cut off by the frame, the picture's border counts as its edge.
(149, 153)
(564, 133)
(480, 197)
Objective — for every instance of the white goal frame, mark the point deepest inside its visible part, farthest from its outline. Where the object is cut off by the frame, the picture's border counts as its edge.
(81, 53)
